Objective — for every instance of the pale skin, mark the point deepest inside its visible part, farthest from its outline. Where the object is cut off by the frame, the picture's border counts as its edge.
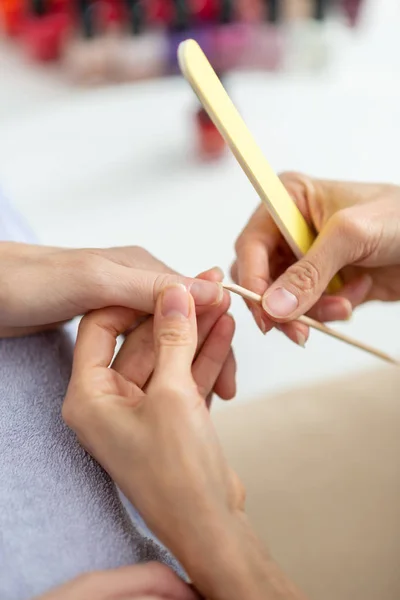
(359, 235)
(152, 432)
(42, 287)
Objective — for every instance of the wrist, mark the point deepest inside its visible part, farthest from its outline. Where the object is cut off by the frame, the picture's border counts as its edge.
(227, 561)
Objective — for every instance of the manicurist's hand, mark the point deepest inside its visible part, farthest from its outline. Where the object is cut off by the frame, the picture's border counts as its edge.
(359, 235)
(152, 432)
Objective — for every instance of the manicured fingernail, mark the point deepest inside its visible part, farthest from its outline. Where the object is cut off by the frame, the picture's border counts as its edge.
(175, 301)
(280, 303)
(301, 339)
(206, 293)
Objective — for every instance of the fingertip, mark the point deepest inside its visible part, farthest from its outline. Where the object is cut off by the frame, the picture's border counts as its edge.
(296, 332)
(214, 274)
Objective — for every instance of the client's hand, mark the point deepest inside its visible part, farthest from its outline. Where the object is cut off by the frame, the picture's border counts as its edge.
(42, 286)
(359, 235)
(156, 440)
(139, 582)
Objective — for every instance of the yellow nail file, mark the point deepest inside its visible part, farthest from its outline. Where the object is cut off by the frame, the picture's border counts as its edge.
(199, 73)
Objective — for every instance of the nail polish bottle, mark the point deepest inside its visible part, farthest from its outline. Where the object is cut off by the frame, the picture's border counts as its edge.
(265, 44)
(11, 17)
(249, 11)
(352, 10)
(141, 53)
(159, 12)
(307, 47)
(321, 9)
(178, 32)
(205, 11)
(296, 10)
(274, 11)
(186, 25)
(231, 37)
(141, 57)
(86, 58)
(43, 31)
(210, 143)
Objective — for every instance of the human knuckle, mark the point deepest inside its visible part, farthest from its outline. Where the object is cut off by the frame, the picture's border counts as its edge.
(304, 275)
(241, 242)
(174, 336)
(347, 223)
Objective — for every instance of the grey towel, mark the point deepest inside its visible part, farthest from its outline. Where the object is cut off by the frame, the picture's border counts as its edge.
(60, 514)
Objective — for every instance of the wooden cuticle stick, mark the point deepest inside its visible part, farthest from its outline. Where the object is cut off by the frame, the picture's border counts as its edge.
(253, 297)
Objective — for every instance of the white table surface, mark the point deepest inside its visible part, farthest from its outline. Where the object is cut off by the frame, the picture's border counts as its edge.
(115, 166)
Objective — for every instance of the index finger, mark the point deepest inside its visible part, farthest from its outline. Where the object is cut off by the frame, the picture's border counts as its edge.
(254, 247)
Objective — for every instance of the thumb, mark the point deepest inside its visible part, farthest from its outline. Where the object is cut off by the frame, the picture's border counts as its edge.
(175, 336)
(304, 282)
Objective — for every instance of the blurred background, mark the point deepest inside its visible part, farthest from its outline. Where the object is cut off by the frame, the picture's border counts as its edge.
(103, 143)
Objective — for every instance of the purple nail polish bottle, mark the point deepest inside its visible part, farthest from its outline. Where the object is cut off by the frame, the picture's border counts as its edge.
(265, 48)
(183, 28)
(178, 32)
(352, 10)
(231, 37)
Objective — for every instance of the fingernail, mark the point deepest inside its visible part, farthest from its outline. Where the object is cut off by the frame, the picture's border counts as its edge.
(175, 301)
(280, 303)
(206, 293)
(301, 339)
(220, 272)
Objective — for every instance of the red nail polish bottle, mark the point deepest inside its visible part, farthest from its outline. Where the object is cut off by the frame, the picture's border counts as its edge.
(159, 12)
(11, 16)
(43, 37)
(211, 144)
(205, 10)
